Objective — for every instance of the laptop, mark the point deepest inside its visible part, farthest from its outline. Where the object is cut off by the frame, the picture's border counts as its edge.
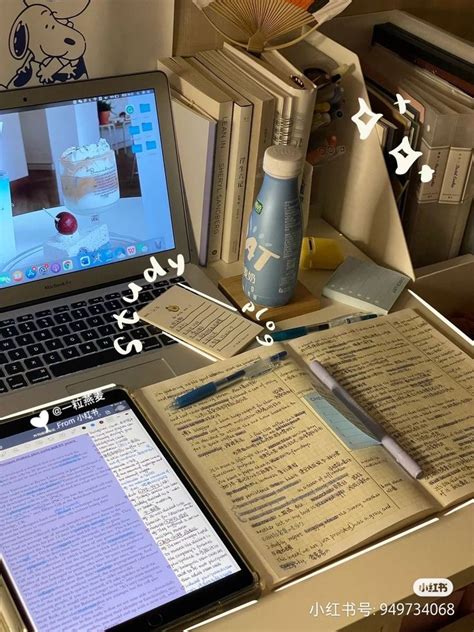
(90, 191)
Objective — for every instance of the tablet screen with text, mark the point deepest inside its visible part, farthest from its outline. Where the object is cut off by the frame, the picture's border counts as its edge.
(97, 526)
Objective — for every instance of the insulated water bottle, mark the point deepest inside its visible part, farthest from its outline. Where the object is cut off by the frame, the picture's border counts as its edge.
(274, 234)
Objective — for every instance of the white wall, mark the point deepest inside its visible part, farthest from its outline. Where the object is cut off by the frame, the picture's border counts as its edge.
(12, 154)
(35, 138)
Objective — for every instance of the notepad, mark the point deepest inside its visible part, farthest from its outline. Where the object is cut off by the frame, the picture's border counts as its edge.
(365, 285)
(201, 322)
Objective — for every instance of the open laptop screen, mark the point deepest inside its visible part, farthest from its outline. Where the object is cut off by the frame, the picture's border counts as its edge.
(82, 184)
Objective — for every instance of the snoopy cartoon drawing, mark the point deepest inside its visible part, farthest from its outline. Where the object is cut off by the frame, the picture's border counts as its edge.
(44, 38)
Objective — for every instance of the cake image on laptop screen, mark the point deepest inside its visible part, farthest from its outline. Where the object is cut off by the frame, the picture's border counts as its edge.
(90, 183)
(79, 188)
(89, 177)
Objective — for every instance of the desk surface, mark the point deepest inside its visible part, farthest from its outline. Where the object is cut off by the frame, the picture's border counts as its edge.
(381, 574)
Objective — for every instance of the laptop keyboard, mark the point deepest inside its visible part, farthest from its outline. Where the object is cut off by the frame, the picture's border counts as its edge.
(52, 343)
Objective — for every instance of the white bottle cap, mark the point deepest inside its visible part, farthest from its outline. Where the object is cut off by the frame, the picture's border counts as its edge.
(283, 161)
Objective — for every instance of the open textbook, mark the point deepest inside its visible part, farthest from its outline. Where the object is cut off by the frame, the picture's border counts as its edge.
(275, 466)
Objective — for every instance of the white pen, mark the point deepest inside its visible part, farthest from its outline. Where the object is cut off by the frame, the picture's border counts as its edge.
(372, 426)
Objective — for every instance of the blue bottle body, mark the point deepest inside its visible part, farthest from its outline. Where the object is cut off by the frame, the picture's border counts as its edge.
(273, 244)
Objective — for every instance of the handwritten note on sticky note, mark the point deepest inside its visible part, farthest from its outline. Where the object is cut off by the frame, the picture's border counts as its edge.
(200, 322)
(351, 434)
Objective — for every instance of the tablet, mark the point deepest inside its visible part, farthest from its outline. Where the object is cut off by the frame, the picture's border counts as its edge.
(101, 530)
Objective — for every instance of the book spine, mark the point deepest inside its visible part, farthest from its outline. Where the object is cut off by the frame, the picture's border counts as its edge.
(302, 119)
(434, 231)
(204, 241)
(235, 195)
(411, 47)
(456, 175)
(197, 216)
(436, 158)
(463, 85)
(304, 99)
(219, 184)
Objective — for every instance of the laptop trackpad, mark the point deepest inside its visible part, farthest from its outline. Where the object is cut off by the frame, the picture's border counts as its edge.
(131, 379)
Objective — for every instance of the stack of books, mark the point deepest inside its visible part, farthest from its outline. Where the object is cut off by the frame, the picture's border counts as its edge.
(437, 87)
(228, 107)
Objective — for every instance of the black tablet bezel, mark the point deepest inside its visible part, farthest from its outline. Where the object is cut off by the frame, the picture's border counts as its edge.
(204, 601)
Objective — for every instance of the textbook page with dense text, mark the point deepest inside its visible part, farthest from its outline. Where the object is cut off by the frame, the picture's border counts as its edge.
(276, 467)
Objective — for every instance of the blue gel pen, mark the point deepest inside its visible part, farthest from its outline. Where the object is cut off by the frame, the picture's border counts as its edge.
(206, 390)
(297, 332)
